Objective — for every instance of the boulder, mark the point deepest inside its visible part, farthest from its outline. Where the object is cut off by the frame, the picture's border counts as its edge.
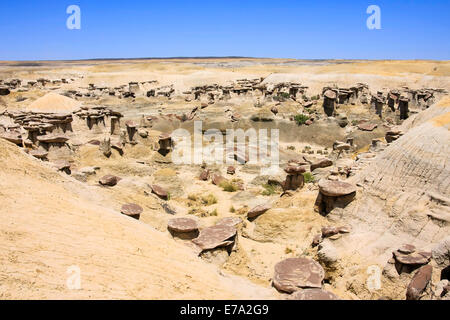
(183, 228)
(321, 164)
(416, 258)
(298, 273)
(132, 210)
(109, 180)
(258, 210)
(39, 154)
(204, 175)
(215, 237)
(62, 165)
(313, 294)
(419, 283)
(217, 179)
(231, 170)
(160, 192)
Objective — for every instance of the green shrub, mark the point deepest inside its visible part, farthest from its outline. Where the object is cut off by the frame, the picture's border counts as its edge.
(269, 189)
(308, 177)
(301, 119)
(228, 186)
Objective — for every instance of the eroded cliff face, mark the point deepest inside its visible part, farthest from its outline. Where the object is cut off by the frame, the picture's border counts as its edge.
(403, 198)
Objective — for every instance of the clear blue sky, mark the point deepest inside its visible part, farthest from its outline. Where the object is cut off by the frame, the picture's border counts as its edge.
(314, 29)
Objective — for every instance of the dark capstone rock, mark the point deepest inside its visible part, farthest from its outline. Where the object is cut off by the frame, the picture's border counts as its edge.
(132, 210)
(160, 192)
(407, 249)
(417, 258)
(258, 210)
(182, 225)
(215, 237)
(419, 283)
(231, 170)
(52, 138)
(298, 273)
(109, 180)
(335, 188)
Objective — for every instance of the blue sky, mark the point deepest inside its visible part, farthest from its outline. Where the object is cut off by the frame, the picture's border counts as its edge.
(314, 29)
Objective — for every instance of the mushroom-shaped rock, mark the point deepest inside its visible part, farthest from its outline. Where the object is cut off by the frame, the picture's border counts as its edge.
(182, 225)
(298, 273)
(132, 210)
(160, 192)
(330, 94)
(335, 188)
(109, 180)
(419, 283)
(258, 210)
(215, 237)
(313, 294)
(407, 249)
(329, 231)
(294, 169)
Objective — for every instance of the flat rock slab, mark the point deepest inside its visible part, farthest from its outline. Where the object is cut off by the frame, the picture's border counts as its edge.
(39, 154)
(419, 283)
(61, 165)
(313, 294)
(109, 180)
(417, 258)
(298, 273)
(182, 225)
(294, 170)
(335, 188)
(367, 126)
(132, 210)
(160, 192)
(216, 236)
(407, 249)
(258, 210)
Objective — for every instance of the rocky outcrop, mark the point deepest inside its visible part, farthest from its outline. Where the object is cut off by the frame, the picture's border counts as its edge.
(298, 273)
(184, 228)
(132, 210)
(334, 194)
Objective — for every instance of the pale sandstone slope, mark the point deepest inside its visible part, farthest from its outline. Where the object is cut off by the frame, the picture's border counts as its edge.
(49, 222)
(405, 195)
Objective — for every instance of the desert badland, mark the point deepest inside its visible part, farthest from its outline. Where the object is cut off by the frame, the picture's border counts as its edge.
(357, 208)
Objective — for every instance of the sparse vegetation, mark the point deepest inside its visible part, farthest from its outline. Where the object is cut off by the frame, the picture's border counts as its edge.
(270, 189)
(309, 178)
(228, 186)
(232, 209)
(301, 119)
(209, 200)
